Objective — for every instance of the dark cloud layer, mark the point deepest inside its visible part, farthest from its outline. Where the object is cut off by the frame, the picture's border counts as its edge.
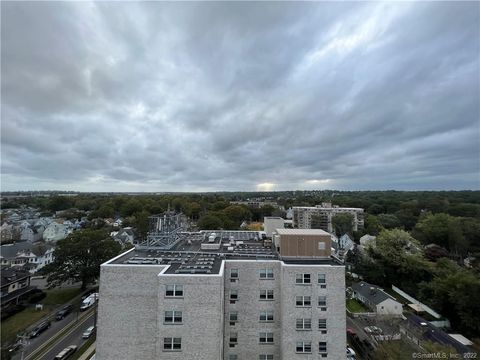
(157, 96)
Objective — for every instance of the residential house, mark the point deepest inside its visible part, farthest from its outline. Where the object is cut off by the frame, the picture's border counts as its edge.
(376, 299)
(346, 243)
(14, 283)
(30, 234)
(55, 232)
(27, 255)
(123, 236)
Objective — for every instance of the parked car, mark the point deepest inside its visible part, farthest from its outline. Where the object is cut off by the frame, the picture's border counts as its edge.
(88, 332)
(89, 301)
(39, 329)
(350, 353)
(373, 330)
(65, 353)
(67, 309)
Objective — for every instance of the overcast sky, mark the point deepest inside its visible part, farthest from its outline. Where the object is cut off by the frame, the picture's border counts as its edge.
(239, 96)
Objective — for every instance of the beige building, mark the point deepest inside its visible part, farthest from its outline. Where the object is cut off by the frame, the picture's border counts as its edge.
(243, 300)
(320, 216)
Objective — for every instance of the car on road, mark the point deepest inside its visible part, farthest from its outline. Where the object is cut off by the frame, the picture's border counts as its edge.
(67, 309)
(15, 347)
(350, 353)
(373, 330)
(66, 353)
(89, 301)
(39, 329)
(88, 332)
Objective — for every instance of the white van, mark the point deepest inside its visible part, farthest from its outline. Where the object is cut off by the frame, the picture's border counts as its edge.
(89, 301)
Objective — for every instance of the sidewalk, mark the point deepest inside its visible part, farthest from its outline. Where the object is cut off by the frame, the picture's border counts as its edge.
(88, 353)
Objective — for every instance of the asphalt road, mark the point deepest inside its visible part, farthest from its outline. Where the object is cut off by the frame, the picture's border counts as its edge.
(72, 337)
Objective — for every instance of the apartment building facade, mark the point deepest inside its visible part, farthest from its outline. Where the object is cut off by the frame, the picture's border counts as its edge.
(249, 302)
(320, 217)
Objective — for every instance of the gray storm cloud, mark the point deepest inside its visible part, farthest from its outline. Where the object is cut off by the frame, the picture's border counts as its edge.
(155, 96)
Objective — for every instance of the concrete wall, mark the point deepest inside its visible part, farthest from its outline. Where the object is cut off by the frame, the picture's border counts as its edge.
(127, 312)
(249, 307)
(335, 313)
(202, 311)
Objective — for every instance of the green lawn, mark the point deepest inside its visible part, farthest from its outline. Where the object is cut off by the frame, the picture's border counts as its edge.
(29, 316)
(354, 306)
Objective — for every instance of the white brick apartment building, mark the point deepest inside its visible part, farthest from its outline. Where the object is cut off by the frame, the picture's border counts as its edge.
(244, 300)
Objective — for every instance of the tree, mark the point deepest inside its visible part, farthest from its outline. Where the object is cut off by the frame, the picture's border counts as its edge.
(388, 221)
(79, 256)
(141, 223)
(342, 223)
(210, 222)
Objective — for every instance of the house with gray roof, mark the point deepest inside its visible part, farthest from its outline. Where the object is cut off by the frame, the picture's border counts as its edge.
(376, 299)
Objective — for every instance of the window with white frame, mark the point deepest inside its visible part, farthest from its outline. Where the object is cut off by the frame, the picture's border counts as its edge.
(265, 357)
(303, 324)
(303, 347)
(322, 347)
(266, 316)
(174, 290)
(173, 317)
(322, 324)
(172, 344)
(232, 357)
(233, 295)
(266, 273)
(322, 302)
(233, 338)
(303, 300)
(233, 316)
(233, 273)
(265, 338)
(266, 294)
(302, 278)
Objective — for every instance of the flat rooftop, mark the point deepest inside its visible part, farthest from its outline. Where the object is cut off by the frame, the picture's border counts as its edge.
(204, 251)
(301, 232)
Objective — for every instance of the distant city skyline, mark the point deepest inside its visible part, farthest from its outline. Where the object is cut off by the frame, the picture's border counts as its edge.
(215, 96)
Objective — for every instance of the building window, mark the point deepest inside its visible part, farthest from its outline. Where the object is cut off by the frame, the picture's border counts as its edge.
(173, 317)
(266, 294)
(266, 274)
(265, 357)
(234, 274)
(321, 245)
(266, 338)
(322, 324)
(232, 357)
(234, 295)
(303, 301)
(174, 291)
(302, 278)
(303, 324)
(233, 316)
(304, 347)
(172, 344)
(233, 338)
(266, 316)
(321, 278)
(322, 302)
(322, 347)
